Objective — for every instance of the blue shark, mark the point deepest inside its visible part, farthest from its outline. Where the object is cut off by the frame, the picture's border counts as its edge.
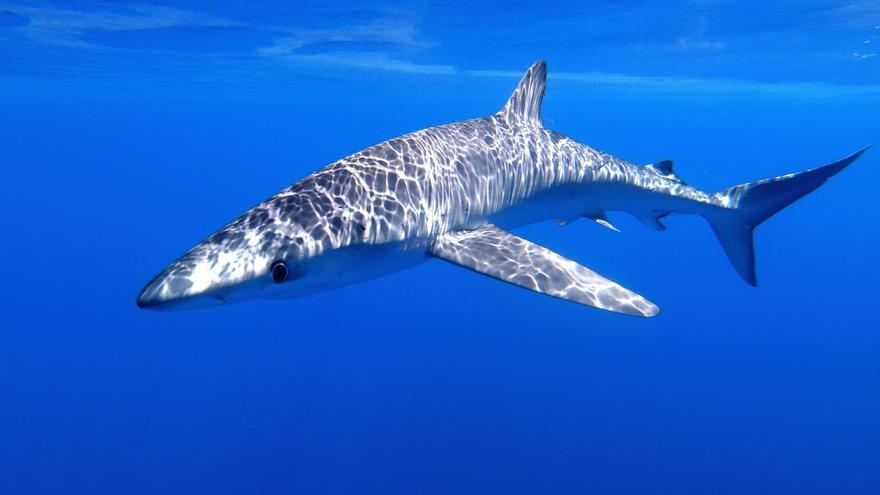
(455, 192)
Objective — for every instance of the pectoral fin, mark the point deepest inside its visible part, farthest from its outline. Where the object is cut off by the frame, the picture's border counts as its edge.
(497, 253)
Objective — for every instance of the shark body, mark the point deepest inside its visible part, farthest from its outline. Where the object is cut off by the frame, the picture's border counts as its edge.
(453, 192)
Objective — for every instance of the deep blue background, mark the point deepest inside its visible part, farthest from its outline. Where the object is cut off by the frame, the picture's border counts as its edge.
(118, 158)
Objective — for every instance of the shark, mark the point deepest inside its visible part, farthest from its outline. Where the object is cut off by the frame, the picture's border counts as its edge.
(456, 192)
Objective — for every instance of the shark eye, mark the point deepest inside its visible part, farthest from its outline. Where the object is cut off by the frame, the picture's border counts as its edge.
(279, 272)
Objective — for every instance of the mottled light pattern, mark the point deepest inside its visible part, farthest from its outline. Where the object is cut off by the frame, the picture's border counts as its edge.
(502, 255)
(405, 193)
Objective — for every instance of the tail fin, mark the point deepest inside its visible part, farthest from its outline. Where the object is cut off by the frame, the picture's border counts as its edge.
(748, 205)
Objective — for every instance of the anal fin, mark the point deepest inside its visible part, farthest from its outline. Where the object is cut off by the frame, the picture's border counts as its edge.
(652, 219)
(499, 254)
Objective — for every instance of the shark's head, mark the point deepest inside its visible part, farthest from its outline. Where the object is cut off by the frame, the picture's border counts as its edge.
(258, 255)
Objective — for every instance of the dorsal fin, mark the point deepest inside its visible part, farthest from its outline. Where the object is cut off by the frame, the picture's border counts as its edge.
(664, 168)
(525, 102)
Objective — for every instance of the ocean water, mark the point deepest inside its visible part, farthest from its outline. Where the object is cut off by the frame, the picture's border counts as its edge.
(130, 132)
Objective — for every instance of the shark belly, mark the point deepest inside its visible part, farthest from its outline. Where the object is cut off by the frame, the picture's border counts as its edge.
(563, 203)
(348, 266)
(567, 203)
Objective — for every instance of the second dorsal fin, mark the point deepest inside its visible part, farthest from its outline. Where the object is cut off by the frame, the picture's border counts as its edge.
(524, 104)
(664, 168)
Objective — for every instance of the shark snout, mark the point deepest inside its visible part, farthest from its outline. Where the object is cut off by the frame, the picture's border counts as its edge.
(191, 283)
(164, 290)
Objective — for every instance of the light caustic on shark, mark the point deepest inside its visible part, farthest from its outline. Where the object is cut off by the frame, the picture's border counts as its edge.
(454, 192)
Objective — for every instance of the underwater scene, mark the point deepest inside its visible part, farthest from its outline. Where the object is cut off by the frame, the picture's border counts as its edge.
(439, 247)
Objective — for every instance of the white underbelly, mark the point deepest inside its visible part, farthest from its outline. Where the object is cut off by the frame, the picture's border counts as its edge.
(569, 202)
(347, 266)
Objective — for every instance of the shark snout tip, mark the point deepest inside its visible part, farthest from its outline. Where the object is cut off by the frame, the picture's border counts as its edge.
(147, 299)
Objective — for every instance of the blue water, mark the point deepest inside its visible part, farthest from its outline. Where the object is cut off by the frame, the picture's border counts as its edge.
(130, 133)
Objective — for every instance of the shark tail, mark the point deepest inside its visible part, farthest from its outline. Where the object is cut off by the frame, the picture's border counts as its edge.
(747, 205)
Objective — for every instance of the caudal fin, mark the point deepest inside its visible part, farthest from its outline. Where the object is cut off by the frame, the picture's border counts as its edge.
(747, 205)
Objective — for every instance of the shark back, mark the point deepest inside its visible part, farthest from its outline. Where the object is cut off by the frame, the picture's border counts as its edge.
(419, 185)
